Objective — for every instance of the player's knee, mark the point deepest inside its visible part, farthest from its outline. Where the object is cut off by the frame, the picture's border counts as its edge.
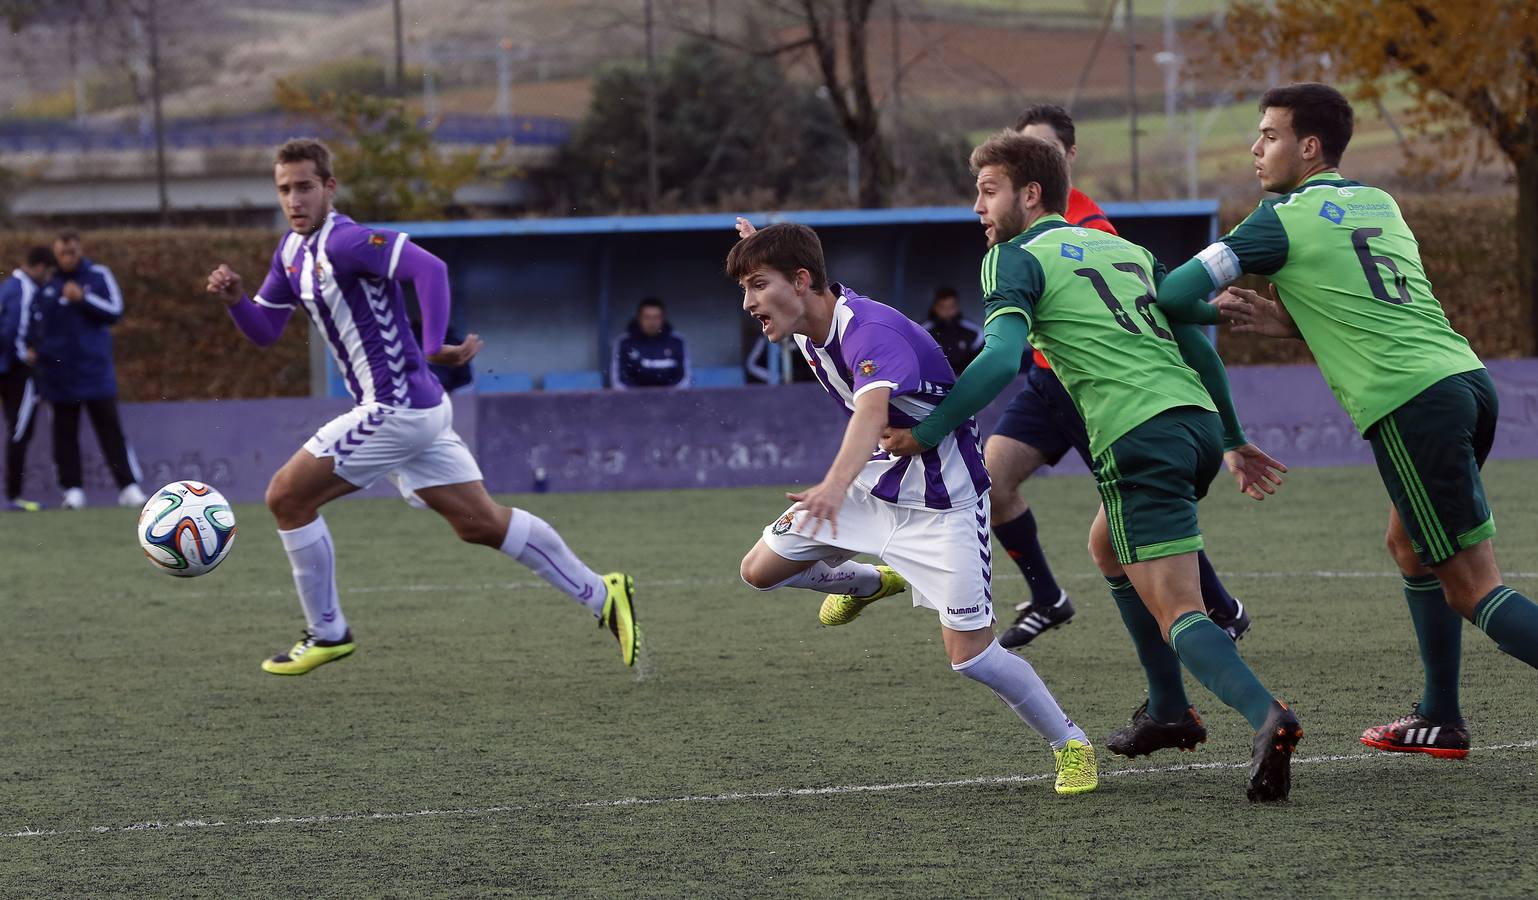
(482, 530)
(284, 502)
(753, 575)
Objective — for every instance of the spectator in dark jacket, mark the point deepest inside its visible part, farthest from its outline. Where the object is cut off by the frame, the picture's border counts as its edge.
(17, 390)
(960, 338)
(650, 353)
(71, 339)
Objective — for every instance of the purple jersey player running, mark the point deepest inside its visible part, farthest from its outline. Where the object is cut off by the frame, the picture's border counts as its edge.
(347, 277)
(927, 516)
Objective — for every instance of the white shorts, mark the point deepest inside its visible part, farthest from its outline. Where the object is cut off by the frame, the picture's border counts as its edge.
(417, 445)
(946, 556)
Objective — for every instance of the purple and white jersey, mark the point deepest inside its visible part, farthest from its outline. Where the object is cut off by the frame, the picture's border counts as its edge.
(873, 345)
(344, 276)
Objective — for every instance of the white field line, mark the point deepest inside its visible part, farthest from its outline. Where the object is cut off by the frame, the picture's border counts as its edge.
(645, 583)
(738, 797)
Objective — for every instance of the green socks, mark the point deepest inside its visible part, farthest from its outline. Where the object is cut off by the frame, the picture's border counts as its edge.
(1209, 653)
(1166, 692)
(1511, 620)
(1439, 631)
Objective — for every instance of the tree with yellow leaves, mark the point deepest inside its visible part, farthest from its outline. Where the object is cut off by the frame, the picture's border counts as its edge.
(1473, 63)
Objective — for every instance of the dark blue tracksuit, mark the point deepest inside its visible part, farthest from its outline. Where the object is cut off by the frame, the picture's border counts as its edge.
(73, 342)
(18, 393)
(658, 361)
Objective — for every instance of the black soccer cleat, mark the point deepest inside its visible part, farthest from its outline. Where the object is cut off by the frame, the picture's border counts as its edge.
(1417, 734)
(1236, 626)
(1035, 618)
(1271, 764)
(1146, 734)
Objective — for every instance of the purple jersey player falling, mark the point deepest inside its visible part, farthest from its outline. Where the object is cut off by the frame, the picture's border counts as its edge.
(873, 345)
(344, 276)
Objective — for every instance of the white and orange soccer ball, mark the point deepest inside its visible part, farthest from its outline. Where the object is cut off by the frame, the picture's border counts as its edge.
(186, 529)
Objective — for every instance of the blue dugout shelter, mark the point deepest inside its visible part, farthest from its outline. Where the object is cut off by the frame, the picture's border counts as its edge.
(549, 295)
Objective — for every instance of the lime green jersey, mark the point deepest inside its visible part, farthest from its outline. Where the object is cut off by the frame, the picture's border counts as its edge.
(1349, 272)
(1089, 299)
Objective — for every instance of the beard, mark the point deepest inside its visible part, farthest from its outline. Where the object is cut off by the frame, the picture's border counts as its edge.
(1008, 225)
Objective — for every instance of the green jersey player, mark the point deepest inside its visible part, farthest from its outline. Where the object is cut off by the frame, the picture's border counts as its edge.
(1352, 286)
(1085, 299)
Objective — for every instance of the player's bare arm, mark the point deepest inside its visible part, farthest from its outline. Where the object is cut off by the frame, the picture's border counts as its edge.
(1250, 312)
(452, 355)
(822, 501)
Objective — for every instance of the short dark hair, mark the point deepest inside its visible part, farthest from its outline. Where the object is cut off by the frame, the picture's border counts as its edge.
(944, 291)
(68, 236)
(1318, 111)
(650, 301)
(1024, 160)
(785, 247)
(301, 149)
(41, 256)
(1049, 114)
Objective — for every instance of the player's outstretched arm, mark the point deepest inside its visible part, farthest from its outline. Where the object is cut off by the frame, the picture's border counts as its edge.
(1183, 294)
(822, 501)
(1004, 342)
(262, 325)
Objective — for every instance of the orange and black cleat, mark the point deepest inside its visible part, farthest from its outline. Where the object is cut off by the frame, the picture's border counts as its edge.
(1271, 763)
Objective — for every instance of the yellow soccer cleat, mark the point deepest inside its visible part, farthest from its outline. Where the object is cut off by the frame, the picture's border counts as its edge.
(619, 615)
(309, 653)
(841, 609)
(1077, 771)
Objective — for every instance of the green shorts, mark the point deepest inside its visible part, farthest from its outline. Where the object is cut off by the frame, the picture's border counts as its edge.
(1150, 479)
(1429, 453)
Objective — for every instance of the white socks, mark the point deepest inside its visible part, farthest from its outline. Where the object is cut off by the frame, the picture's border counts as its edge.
(858, 579)
(532, 541)
(1022, 690)
(313, 561)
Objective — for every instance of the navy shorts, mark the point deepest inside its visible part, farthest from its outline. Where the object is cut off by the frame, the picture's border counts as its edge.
(1043, 416)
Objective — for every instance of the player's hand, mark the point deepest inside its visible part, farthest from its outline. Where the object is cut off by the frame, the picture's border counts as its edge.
(72, 292)
(224, 283)
(820, 503)
(900, 442)
(1257, 473)
(31, 357)
(455, 355)
(744, 227)
(1251, 313)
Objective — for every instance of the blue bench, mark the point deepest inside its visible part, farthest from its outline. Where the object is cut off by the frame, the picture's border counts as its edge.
(585, 380)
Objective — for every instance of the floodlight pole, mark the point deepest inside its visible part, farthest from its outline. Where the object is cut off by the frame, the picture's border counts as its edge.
(652, 186)
(400, 52)
(1132, 91)
(160, 129)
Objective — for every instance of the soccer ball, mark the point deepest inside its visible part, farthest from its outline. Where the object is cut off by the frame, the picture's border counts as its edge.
(186, 529)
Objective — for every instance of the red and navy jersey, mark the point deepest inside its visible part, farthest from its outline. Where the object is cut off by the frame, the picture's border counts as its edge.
(1082, 213)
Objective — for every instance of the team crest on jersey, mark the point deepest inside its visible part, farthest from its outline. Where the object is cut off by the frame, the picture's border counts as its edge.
(320, 274)
(867, 367)
(1073, 251)
(376, 240)
(784, 523)
(1332, 212)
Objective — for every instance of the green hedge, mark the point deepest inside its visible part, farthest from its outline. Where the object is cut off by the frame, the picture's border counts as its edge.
(176, 342)
(1469, 247)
